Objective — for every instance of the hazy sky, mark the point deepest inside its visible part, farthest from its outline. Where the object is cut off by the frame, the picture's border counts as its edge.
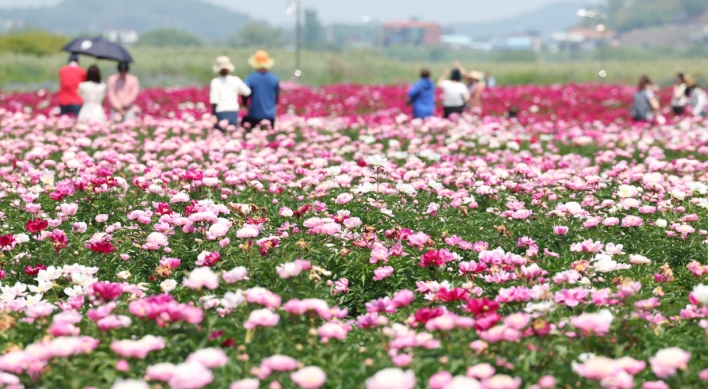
(443, 11)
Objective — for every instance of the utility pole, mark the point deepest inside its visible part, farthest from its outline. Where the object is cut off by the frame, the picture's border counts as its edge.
(298, 38)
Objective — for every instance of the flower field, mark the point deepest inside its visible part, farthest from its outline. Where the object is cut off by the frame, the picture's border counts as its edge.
(351, 247)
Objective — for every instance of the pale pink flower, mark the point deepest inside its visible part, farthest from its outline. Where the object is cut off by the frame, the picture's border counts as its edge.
(480, 371)
(418, 240)
(341, 286)
(501, 381)
(547, 382)
(261, 318)
(382, 272)
(190, 376)
(248, 383)
(344, 198)
(160, 372)
(631, 221)
(236, 274)
(440, 380)
(392, 378)
(560, 230)
(155, 241)
(667, 361)
(596, 368)
(352, 222)
(247, 231)
(655, 385)
(209, 357)
(310, 377)
(69, 209)
(201, 277)
(100, 218)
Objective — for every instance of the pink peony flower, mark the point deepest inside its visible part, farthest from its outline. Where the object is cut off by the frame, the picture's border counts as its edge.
(261, 318)
(382, 272)
(190, 375)
(440, 380)
(392, 378)
(666, 361)
(310, 377)
(160, 372)
(248, 383)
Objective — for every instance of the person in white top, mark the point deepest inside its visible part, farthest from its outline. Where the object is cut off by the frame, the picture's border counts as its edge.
(679, 100)
(224, 93)
(92, 92)
(455, 93)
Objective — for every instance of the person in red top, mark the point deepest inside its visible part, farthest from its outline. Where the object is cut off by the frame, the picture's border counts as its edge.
(70, 76)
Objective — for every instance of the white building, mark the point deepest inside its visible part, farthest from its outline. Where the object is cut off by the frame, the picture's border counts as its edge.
(125, 37)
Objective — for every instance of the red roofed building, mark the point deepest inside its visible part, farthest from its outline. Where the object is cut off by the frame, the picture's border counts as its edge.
(412, 33)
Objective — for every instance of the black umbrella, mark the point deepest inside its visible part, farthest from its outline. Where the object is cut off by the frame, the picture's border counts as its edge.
(99, 48)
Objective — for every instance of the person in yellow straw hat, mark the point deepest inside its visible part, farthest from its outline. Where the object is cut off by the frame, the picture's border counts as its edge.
(223, 94)
(476, 85)
(265, 89)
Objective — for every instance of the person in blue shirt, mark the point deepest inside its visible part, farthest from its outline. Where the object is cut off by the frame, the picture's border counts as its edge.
(265, 89)
(422, 96)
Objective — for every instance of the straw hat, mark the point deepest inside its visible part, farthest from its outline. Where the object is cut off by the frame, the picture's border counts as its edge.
(261, 60)
(689, 81)
(477, 75)
(223, 62)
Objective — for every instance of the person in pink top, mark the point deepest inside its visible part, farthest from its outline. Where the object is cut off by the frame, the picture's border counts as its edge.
(123, 89)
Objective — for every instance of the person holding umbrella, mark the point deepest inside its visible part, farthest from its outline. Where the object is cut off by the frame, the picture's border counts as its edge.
(70, 76)
(123, 89)
(265, 89)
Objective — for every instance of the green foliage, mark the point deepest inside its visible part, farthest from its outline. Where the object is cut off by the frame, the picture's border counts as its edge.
(32, 42)
(258, 34)
(516, 56)
(171, 66)
(168, 37)
(312, 34)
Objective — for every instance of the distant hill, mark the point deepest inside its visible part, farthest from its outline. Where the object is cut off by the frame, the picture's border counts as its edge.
(626, 15)
(83, 16)
(546, 20)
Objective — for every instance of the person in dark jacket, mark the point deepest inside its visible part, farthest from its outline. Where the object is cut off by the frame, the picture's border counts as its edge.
(422, 96)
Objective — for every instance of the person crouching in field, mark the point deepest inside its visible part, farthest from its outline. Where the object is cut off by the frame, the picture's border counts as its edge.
(698, 99)
(70, 76)
(223, 94)
(123, 89)
(265, 89)
(645, 106)
(422, 96)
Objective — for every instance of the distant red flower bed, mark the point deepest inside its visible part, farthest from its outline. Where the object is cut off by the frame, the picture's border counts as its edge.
(574, 102)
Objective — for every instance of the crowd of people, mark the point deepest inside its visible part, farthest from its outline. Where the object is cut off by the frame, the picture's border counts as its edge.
(462, 92)
(81, 92)
(646, 106)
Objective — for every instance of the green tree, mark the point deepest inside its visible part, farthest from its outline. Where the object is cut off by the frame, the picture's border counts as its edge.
(694, 7)
(168, 37)
(258, 34)
(32, 42)
(312, 35)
